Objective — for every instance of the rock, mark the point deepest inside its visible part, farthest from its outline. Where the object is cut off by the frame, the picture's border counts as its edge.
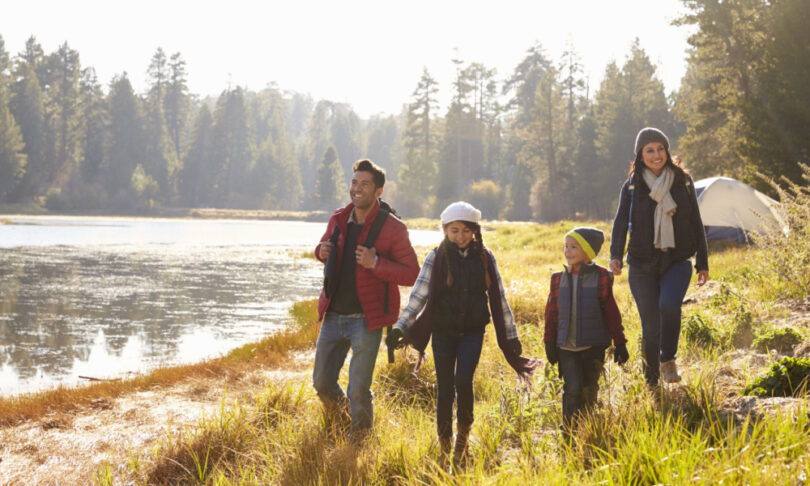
(802, 350)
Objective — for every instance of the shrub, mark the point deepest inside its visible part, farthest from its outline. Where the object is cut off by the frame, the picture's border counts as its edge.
(785, 378)
(700, 333)
(782, 339)
(742, 334)
(786, 256)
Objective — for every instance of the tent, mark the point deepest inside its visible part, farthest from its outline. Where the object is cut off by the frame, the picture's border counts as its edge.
(730, 209)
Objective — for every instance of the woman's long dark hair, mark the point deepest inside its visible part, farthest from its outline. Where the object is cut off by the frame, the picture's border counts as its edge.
(673, 162)
(482, 252)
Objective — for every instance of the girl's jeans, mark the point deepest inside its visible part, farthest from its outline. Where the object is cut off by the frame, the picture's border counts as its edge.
(658, 299)
(455, 360)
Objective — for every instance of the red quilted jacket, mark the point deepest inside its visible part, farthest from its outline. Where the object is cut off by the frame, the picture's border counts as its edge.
(396, 265)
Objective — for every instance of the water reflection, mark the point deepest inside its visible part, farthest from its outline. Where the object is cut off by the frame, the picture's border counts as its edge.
(104, 297)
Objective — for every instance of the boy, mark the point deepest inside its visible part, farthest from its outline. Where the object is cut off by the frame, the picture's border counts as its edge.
(581, 318)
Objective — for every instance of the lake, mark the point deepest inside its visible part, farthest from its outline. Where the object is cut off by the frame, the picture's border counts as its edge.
(104, 297)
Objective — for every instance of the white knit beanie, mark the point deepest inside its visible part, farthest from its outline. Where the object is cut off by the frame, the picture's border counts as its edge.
(460, 211)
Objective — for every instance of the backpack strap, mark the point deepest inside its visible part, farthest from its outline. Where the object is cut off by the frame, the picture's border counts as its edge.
(632, 188)
(371, 238)
(375, 229)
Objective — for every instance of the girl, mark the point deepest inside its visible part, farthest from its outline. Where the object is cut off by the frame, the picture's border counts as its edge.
(458, 286)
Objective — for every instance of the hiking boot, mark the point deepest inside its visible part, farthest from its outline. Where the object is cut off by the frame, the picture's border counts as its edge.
(445, 448)
(669, 372)
(460, 450)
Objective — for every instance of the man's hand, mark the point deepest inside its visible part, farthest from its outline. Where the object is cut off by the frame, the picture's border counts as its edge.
(365, 256)
(616, 267)
(326, 247)
(703, 277)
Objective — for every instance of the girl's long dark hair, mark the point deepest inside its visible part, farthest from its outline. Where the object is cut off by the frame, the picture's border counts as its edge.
(482, 252)
(673, 162)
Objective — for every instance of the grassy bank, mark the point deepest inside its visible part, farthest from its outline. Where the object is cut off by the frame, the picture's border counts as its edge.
(269, 352)
(702, 431)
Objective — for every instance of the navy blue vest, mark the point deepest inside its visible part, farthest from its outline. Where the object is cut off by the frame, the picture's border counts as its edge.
(590, 322)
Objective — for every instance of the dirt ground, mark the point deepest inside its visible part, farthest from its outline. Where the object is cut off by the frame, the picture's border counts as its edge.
(65, 449)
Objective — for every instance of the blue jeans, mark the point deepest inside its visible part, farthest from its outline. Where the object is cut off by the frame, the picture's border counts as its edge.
(580, 372)
(455, 360)
(658, 299)
(339, 334)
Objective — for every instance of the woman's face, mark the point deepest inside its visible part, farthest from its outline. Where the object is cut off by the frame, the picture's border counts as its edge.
(458, 233)
(655, 157)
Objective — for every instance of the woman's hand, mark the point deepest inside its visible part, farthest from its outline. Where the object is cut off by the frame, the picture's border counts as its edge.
(615, 267)
(703, 277)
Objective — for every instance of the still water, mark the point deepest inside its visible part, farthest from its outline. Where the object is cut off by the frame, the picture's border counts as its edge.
(103, 297)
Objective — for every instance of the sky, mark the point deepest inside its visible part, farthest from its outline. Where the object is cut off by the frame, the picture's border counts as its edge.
(369, 54)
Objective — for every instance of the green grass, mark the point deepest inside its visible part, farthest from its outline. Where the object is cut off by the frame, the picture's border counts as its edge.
(677, 435)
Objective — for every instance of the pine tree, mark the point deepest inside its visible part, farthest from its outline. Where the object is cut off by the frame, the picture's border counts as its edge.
(12, 157)
(126, 141)
(330, 185)
(195, 181)
(177, 103)
(26, 107)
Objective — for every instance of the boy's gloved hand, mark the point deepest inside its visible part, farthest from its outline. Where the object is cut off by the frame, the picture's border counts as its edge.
(620, 354)
(552, 353)
(395, 338)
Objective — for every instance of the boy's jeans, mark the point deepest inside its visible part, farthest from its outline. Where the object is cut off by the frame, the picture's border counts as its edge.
(455, 360)
(580, 372)
(339, 334)
(658, 299)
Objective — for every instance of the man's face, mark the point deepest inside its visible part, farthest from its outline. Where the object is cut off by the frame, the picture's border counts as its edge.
(363, 192)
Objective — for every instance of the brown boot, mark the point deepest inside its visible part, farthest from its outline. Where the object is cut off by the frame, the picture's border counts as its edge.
(445, 448)
(460, 450)
(669, 372)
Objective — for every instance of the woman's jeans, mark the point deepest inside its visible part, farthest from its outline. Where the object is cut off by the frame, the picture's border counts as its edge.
(658, 299)
(580, 372)
(455, 360)
(338, 335)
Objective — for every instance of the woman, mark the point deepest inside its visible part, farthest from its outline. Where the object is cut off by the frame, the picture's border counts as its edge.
(455, 284)
(659, 207)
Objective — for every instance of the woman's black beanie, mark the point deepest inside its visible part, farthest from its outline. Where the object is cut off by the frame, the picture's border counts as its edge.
(649, 135)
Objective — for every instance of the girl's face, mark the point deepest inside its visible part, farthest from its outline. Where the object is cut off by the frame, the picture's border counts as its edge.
(655, 157)
(459, 233)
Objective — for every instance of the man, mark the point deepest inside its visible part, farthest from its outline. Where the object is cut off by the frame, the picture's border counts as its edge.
(359, 309)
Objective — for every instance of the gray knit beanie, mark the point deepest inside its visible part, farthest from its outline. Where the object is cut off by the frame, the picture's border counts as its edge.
(589, 238)
(649, 135)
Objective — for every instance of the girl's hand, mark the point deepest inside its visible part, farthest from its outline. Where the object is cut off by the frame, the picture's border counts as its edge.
(615, 266)
(703, 277)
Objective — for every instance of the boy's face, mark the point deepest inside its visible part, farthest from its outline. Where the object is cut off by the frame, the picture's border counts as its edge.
(574, 254)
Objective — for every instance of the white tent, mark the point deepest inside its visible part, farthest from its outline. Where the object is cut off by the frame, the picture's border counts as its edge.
(730, 209)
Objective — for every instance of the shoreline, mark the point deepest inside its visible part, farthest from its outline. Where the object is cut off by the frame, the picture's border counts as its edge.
(269, 351)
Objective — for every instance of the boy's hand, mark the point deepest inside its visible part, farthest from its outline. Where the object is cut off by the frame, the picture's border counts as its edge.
(552, 353)
(620, 354)
(615, 267)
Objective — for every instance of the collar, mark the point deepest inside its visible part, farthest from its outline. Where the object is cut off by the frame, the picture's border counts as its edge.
(584, 268)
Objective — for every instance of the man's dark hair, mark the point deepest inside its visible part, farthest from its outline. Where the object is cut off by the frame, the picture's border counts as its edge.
(378, 172)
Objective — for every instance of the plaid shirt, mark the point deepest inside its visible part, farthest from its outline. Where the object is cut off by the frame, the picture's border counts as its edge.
(419, 296)
(610, 311)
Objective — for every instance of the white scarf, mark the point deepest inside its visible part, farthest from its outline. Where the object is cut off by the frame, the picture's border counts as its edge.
(659, 192)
